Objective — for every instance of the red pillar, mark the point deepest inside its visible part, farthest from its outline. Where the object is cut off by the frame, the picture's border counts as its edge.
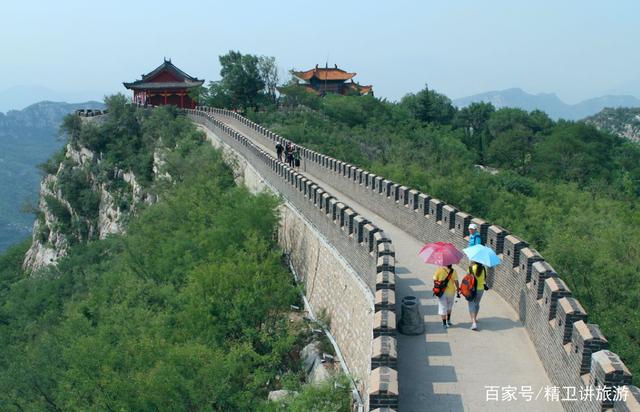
(182, 100)
(165, 98)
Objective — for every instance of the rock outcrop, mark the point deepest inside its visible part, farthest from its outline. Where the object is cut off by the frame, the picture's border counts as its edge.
(63, 221)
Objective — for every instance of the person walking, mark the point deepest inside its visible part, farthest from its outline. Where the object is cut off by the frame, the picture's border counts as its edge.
(296, 158)
(279, 150)
(480, 273)
(474, 236)
(445, 301)
(289, 154)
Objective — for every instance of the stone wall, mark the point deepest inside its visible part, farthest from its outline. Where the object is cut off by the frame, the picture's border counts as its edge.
(345, 262)
(573, 352)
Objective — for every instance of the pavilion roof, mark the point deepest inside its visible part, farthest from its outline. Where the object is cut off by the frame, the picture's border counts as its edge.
(147, 79)
(323, 73)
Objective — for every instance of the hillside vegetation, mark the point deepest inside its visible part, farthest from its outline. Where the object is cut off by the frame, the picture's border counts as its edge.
(187, 311)
(567, 188)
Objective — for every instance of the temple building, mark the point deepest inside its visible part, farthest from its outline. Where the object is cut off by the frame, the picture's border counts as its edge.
(331, 80)
(166, 84)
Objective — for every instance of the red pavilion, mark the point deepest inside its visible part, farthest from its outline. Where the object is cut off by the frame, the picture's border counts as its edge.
(166, 84)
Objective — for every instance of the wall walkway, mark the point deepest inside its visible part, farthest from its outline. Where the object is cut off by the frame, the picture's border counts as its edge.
(529, 322)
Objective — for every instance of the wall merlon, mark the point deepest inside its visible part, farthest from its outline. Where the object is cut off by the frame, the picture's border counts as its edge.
(386, 263)
(384, 323)
(413, 199)
(384, 352)
(371, 181)
(512, 247)
(449, 216)
(369, 231)
(462, 223)
(349, 216)
(386, 187)
(383, 388)
(313, 192)
(332, 208)
(528, 257)
(608, 370)
(326, 197)
(495, 238)
(352, 173)
(321, 199)
(554, 289)
(365, 179)
(358, 228)
(378, 184)
(569, 311)
(340, 208)
(380, 237)
(386, 248)
(435, 209)
(385, 299)
(386, 280)
(403, 195)
(585, 340)
(307, 188)
(540, 271)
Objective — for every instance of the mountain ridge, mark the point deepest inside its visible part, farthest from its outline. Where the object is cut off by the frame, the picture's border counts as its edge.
(550, 103)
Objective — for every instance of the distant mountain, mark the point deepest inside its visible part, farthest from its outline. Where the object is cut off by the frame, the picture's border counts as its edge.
(20, 97)
(28, 137)
(549, 103)
(623, 121)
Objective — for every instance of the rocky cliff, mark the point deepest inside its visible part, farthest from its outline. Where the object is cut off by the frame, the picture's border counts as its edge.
(623, 121)
(87, 196)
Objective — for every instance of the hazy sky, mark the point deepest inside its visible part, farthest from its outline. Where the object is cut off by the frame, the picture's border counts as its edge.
(577, 49)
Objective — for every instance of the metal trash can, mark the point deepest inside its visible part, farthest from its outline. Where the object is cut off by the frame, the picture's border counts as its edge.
(411, 321)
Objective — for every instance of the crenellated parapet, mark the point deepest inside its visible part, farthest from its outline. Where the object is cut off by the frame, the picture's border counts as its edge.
(363, 244)
(574, 352)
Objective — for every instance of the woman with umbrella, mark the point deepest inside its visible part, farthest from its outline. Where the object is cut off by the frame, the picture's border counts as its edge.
(481, 257)
(445, 279)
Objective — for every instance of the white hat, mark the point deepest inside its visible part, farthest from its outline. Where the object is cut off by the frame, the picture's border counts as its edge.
(473, 226)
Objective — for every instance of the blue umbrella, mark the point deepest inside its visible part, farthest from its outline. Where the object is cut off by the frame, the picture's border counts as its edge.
(482, 254)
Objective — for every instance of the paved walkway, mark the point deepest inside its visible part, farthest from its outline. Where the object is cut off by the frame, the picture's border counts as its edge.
(450, 369)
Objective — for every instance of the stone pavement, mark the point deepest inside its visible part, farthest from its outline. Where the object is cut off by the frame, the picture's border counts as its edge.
(453, 369)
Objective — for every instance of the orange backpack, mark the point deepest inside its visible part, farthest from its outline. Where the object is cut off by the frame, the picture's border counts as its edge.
(439, 286)
(469, 286)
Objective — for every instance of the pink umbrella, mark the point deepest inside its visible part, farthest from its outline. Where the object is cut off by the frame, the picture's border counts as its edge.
(440, 253)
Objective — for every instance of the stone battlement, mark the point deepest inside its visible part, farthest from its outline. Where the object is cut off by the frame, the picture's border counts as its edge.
(573, 352)
(365, 247)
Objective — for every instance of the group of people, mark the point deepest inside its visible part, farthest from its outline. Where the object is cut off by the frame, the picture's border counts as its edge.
(290, 154)
(452, 290)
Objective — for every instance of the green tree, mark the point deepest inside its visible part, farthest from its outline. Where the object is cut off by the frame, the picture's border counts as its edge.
(473, 120)
(268, 70)
(430, 106)
(241, 85)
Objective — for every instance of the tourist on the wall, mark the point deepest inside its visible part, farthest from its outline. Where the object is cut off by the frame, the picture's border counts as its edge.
(480, 273)
(296, 158)
(474, 236)
(279, 150)
(289, 154)
(446, 275)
